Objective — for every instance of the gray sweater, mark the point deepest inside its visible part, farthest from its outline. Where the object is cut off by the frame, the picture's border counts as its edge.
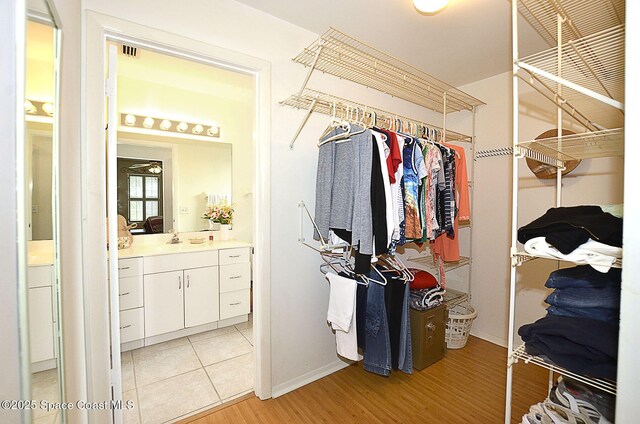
(343, 188)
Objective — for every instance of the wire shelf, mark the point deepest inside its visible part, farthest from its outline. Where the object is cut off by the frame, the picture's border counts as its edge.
(596, 144)
(582, 17)
(324, 103)
(520, 354)
(345, 57)
(596, 63)
(455, 297)
(428, 262)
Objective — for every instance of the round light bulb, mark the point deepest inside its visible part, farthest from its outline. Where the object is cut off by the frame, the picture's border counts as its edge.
(430, 6)
(48, 108)
(29, 107)
(197, 129)
(148, 122)
(130, 119)
(165, 124)
(182, 127)
(213, 131)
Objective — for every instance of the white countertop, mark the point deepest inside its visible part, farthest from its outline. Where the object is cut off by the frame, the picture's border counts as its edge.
(185, 247)
(37, 257)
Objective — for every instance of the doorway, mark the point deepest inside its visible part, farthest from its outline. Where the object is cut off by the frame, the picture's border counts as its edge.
(184, 348)
(256, 196)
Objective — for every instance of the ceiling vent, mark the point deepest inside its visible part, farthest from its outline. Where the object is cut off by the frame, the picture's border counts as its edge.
(129, 51)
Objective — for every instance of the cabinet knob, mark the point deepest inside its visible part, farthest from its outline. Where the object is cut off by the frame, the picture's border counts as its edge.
(124, 294)
(188, 281)
(234, 256)
(179, 282)
(234, 304)
(431, 327)
(235, 277)
(126, 326)
(124, 267)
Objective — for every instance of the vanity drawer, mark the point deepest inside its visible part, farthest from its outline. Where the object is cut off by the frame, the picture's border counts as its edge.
(129, 267)
(235, 303)
(131, 294)
(180, 261)
(234, 256)
(39, 276)
(235, 277)
(131, 325)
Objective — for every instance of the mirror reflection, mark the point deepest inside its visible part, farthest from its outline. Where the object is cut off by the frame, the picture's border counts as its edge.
(39, 168)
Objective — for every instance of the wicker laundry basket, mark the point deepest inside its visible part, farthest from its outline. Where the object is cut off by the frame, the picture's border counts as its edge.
(459, 325)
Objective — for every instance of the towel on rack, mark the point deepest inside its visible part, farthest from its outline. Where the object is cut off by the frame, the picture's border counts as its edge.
(341, 315)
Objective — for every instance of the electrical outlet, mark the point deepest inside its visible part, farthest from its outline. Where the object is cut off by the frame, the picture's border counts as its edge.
(184, 209)
(35, 209)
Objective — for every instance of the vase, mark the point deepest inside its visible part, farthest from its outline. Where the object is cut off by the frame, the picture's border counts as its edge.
(214, 226)
(225, 231)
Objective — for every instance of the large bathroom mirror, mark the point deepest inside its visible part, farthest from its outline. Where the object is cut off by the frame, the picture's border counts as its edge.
(40, 170)
(183, 125)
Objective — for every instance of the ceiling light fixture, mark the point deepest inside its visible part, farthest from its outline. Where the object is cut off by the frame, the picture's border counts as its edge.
(148, 122)
(165, 124)
(130, 119)
(197, 129)
(430, 6)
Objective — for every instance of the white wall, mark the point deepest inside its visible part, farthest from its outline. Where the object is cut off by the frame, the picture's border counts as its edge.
(492, 203)
(303, 347)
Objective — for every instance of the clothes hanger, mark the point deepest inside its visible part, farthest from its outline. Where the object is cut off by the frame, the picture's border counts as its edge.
(343, 136)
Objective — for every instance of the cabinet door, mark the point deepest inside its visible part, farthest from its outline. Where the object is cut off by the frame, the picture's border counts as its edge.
(201, 303)
(40, 324)
(163, 304)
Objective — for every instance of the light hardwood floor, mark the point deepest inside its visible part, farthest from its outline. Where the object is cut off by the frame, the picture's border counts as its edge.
(467, 386)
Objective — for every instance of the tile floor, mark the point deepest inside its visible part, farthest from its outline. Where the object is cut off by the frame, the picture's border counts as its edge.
(44, 386)
(180, 377)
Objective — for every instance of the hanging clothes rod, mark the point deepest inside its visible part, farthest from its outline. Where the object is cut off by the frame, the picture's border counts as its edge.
(317, 101)
(502, 151)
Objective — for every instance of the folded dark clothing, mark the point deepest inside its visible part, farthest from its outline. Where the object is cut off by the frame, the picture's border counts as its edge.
(612, 316)
(581, 345)
(566, 228)
(583, 276)
(582, 297)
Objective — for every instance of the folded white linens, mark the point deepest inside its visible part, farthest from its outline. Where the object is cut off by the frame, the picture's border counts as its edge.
(599, 255)
(341, 314)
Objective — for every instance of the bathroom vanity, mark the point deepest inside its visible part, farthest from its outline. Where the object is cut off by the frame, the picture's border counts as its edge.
(169, 291)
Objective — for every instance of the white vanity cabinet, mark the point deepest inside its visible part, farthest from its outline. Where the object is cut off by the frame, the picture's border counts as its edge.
(178, 297)
(235, 282)
(41, 313)
(130, 274)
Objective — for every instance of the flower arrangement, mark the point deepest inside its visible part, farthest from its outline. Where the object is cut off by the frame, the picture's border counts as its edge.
(221, 212)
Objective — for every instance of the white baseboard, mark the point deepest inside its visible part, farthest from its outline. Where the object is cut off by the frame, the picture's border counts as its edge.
(307, 378)
(490, 338)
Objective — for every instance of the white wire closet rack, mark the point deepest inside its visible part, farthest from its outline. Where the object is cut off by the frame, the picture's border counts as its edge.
(317, 101)
(336, 53)
(582, 74)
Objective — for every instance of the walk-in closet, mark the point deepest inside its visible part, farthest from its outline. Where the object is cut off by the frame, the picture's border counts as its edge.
(245, 211)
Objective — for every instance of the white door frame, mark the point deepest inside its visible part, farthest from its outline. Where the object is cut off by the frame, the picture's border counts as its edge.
(98, 29)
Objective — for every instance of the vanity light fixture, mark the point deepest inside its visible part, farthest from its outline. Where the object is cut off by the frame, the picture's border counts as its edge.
(148, 122)
(130, 119)
(182, 127)
(430, 6)
(48, 108)
(29, 107)
(165, 124)
(213, 131)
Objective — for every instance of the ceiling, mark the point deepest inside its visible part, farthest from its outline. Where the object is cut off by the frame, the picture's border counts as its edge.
(468, 41)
